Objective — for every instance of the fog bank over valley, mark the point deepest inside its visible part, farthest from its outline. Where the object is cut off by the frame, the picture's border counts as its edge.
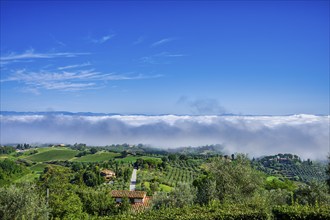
(304, 135)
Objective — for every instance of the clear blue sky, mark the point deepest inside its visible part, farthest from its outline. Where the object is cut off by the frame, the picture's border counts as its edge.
(190, 57)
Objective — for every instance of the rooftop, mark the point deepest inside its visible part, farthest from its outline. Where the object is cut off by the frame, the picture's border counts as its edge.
(128, 194)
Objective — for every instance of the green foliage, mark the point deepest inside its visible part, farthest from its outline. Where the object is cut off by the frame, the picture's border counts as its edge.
(206, 189)
(298, 212)
(97, 202)
(65, 204)
(197, 213)
(172, 157)
(90, 176)
(127, 174)
(235, 180)
(7, 150)
(63, 201)
(226, 189)
(165, 188)
(55, 176)
(10, 171)
(182, 195)
(82, 153)
(312, 194)
(162, 200)
(291, 167)
(80, 147)
(23, 146)
(125, 205)
(276, 183)
(93, 150)
(266, 200)
(148, 162)
(22, 202)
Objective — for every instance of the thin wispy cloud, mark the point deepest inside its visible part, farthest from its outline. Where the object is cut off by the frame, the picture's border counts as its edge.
(68, 80)
(68, 86)
(167, 54)
(74, 66)
(31, 54)
(160, 58)
(161, 42)
(103, 39)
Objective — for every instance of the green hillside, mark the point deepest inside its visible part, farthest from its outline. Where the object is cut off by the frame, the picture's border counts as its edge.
(291, 167)
(52, 154)
(98, 157)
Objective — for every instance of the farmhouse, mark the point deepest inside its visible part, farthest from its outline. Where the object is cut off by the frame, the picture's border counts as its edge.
(108, 174)
(133, 196)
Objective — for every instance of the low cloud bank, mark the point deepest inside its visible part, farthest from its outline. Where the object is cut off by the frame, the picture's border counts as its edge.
(304, 135)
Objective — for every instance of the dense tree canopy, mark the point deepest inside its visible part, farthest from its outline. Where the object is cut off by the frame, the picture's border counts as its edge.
(235, 180)
(23, 202)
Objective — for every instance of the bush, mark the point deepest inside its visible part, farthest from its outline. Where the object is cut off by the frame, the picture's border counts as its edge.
(197, 213)
(297, 212)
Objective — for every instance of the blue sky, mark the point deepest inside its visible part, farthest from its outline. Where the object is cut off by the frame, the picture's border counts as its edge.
(190, 57)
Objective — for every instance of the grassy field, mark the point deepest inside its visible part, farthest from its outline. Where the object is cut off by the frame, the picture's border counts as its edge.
(129, 159)
(52, 154)
(98, 157)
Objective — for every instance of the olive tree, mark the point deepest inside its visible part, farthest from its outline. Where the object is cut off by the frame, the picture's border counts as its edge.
(22, 202)
(235, 180)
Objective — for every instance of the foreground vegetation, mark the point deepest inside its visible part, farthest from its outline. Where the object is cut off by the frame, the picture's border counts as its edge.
(65, 183)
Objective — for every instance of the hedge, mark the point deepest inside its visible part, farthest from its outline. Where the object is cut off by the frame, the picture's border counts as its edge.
(298, 212)
(196, 213)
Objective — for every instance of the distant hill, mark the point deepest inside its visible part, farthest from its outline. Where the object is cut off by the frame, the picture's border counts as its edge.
(291, 167)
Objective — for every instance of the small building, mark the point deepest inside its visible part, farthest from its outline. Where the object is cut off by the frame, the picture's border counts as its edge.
(108, 174)
(133, 196)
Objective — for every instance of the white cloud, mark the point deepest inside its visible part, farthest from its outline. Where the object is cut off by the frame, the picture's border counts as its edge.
(74, 66)
(103, 39)
(161, 42)
(68, 80)
(304, 135)
(31, 54)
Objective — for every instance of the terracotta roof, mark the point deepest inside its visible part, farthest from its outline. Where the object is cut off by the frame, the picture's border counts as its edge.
(128, 194)
(140, 207)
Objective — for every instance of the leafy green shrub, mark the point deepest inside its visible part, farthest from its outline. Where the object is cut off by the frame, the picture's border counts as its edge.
(197, 213)
(298, 212)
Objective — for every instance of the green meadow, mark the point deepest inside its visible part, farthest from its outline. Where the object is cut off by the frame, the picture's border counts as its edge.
(52, 154)
(98, 157)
